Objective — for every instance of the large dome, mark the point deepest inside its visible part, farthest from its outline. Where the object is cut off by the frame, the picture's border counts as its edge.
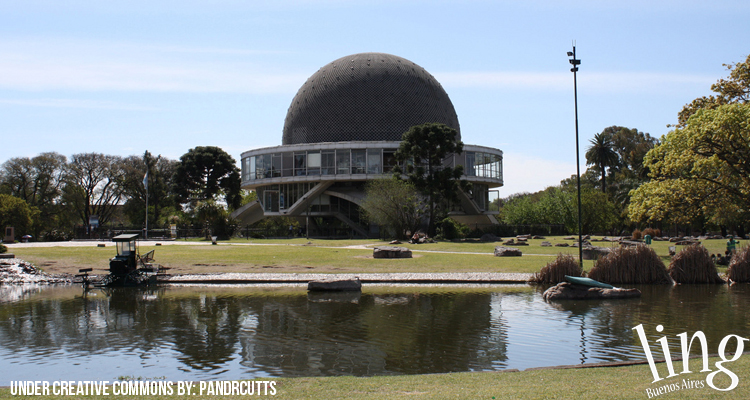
(366, 96)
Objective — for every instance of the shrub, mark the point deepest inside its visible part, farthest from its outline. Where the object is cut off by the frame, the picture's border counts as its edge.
(693, 265)
(637, 234)
(739, 266)
(451, 229)
(637, 264)
(555, 271)
(3, 248)
(653, 232)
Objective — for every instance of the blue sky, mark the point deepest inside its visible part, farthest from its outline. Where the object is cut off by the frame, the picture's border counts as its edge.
(125, 77)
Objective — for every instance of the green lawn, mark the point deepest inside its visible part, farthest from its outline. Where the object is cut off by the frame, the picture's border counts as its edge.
(321, 256)
(629, 382)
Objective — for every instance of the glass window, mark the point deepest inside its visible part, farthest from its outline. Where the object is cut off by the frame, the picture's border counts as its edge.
(358, 161)
(373, 161)
(276, 164)
(389, 161)
(300, 164)
(328, 162)
(469, 170)
(313, 163)
(342, 162)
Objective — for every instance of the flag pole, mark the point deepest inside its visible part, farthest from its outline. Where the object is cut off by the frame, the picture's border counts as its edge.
(145, 184)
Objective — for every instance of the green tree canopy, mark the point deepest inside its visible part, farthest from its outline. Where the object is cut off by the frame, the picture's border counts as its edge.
(93, 186)
(16, 212)
(734, 89)
(424, 149)
(602, 155)
(39, 182)
(698, 169)
(207, 171)
(394, 205)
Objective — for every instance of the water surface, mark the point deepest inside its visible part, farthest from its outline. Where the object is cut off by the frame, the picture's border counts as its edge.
(244, 332)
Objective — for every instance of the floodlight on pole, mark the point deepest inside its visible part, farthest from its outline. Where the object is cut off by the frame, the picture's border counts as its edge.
(576, 62)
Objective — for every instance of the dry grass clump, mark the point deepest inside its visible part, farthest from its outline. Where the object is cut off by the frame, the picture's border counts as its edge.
(555, 271)
(651, 231)
(739, 266)
(637, 234)
(693, 265)
(637, 264)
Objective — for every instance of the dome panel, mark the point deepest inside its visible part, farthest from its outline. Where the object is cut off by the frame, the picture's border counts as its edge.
(367, 97)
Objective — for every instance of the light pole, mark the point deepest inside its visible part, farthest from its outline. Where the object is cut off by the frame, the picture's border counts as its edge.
(575, 62)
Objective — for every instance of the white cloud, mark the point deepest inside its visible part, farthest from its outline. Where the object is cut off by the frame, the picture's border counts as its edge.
(609, 82)
(37, 65)
(76, 103)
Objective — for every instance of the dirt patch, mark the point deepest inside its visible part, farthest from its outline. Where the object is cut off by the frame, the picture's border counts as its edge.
(371, 257)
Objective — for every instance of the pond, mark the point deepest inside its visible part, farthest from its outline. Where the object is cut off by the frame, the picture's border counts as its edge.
(245, 332)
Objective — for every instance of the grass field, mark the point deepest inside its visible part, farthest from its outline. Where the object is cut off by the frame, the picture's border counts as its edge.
(627, 382)
(319, 256)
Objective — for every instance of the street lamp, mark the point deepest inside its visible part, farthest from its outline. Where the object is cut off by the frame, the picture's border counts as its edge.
(575, 62)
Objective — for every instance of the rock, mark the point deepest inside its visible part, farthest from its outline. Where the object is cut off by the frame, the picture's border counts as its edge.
(488, 238)
(561, 245)
(570, 291)
(391, 252)
(334, 286)
(509, 242)
(523, 237)
(538, 237)
(570, 238)
(501, 251)
(395, 242)
(593, 253)
(546, 244)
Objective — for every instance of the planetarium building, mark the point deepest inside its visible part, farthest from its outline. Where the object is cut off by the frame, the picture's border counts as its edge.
(341, 130)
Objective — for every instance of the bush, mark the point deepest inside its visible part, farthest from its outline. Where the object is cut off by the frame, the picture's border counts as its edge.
(637, 264)
(451, 229)
(653, 232)
(637, 235)
(555, 271)
(739, 266)
(3, 248)
(693, 265)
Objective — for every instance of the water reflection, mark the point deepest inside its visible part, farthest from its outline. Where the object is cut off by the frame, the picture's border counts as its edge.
(244, 332)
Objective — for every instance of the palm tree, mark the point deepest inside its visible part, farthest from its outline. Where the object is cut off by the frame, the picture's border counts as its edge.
(602, 154)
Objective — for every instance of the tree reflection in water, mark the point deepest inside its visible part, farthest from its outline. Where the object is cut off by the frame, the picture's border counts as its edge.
(244, 332)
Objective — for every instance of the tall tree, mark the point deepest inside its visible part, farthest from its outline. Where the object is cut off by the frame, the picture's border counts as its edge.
(159, 179)
(424, 149)
(16, 212)
(39, 182)
(734, 89)
(94, 186)
(602, 154)
(698, 168)
(205, 172)
(393, 204)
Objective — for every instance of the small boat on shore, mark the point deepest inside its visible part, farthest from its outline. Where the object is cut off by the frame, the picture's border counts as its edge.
(344, 285)
(578, 280)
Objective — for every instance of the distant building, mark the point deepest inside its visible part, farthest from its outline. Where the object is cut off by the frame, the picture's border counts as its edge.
(341, 130)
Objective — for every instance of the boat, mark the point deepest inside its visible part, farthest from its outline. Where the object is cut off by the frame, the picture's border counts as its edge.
(128, 267)
(344, 285)
(578, 280)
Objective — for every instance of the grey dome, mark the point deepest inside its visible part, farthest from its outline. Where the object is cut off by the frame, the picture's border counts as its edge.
(368, 97)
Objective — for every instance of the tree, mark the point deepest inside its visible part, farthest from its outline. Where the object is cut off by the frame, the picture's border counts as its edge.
(734, 89)
(425, 148)
(394, 205)
(698, 169)
(602, 154)
(205, 172)
(94, 186)
(160, 173)
(39, 182)
(16, 212)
